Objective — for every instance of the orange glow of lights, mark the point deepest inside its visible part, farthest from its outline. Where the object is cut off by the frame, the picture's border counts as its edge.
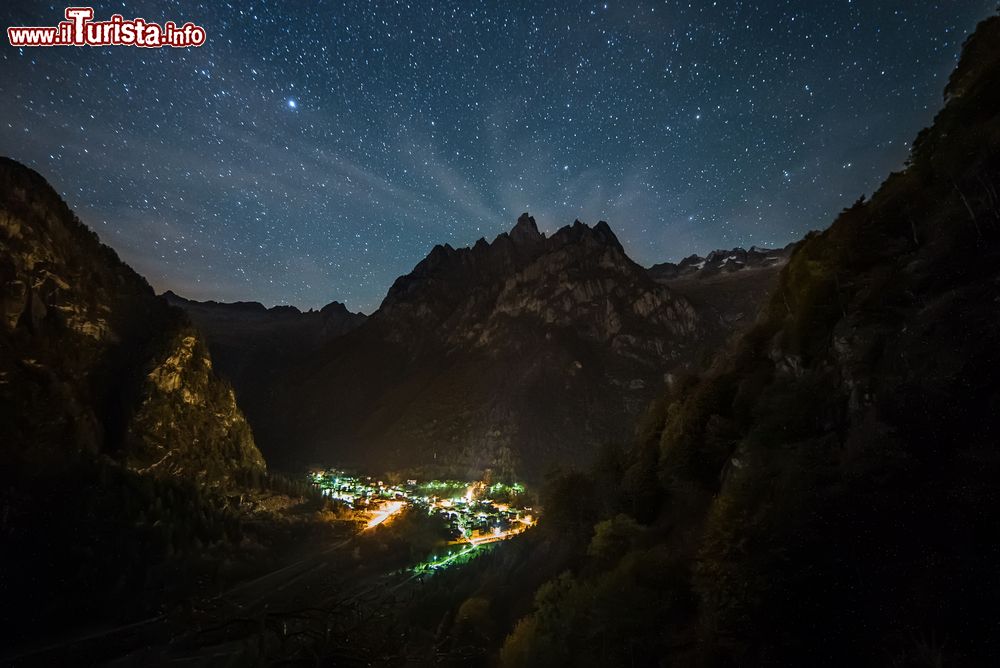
(384, 513)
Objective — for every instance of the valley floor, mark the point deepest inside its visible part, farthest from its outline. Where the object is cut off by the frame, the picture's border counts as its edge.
(334, 594)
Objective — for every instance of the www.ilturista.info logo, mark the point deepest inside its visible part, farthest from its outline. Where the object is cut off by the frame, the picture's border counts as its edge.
(80, 30)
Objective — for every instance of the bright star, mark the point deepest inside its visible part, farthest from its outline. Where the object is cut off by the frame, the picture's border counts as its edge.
(292, 104)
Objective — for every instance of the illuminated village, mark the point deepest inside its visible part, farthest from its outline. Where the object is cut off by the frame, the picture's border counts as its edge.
(477, 514)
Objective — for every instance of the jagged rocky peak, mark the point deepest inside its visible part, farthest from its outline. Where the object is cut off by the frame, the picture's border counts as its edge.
(523, 235)
(509, 250)
(439, 253)
(566, 314)
(337, 308)
(447, 273)
(526, 231)
(580, 277)
(579, 232)
(604, 233)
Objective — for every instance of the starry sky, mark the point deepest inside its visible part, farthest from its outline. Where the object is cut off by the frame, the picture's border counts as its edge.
(315, 150)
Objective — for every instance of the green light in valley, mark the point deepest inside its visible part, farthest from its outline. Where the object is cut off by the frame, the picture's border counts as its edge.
(466, 507)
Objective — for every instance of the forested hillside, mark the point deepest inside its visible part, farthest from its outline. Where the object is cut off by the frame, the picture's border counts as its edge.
(826, 493)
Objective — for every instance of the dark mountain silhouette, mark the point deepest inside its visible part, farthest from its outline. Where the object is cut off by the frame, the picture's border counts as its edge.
(516, 355)
(93, 361)
(250, 344)
(118, 441)
(825, 494)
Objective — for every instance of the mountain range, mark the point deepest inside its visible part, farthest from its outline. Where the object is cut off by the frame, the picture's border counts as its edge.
(770, 457)
(131, 421)
(517, 355)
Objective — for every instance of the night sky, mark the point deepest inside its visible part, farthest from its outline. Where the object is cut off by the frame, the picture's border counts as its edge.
(313, 151)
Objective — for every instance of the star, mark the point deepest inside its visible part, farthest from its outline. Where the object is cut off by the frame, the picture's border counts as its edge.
(427, 123)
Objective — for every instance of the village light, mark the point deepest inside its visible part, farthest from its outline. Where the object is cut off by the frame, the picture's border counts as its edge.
(465, 508)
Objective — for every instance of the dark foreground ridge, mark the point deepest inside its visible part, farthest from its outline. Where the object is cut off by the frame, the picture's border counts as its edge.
(824, 494)
(117, 434)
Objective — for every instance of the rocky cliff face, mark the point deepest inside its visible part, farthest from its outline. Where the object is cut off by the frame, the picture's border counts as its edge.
(580, 278)
(91, 361)
(187, 422)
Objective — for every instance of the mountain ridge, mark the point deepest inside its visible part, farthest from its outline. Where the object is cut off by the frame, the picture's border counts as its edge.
(735, 259)
(462, 358)
(254, 306)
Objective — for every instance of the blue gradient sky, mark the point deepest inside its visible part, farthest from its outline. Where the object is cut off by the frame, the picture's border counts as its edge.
(314, 151)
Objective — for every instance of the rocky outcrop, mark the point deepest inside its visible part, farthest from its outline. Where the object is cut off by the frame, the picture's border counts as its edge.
(187, 422)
